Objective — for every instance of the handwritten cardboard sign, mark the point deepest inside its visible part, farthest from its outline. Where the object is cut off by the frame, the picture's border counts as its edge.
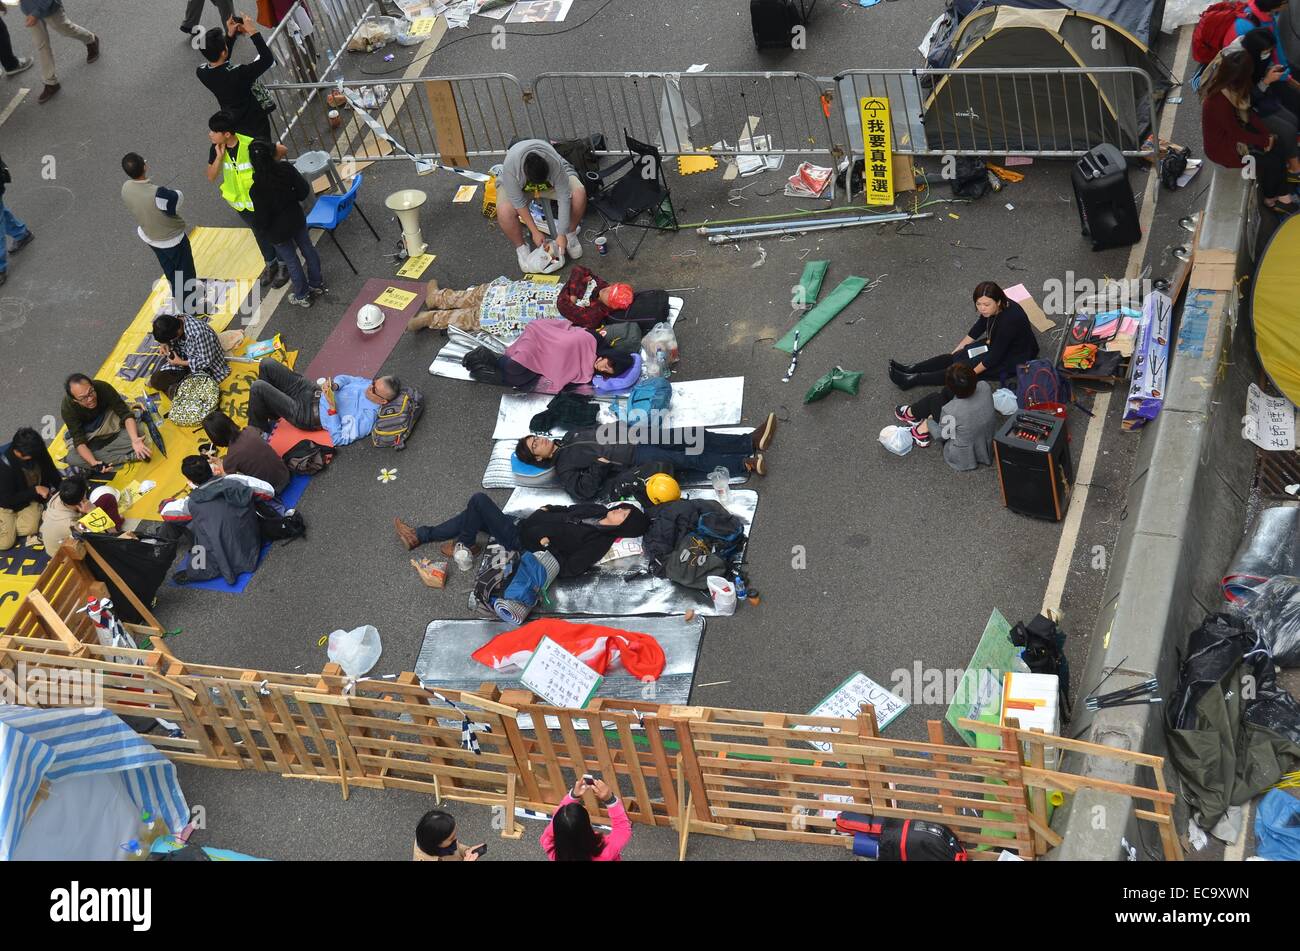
(559, 677)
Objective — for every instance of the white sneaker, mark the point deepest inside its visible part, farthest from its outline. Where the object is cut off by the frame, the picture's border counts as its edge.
(22, 65)
(574, 245)
(463, 557)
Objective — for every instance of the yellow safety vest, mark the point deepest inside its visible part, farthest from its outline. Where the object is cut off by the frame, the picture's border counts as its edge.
(237, 177)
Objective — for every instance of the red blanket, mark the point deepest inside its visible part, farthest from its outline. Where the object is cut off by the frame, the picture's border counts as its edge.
(593, 644)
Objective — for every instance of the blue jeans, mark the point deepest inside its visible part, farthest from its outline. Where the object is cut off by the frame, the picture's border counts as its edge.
(481, 514)
(716, 449)
(289, 256)
(13, 228)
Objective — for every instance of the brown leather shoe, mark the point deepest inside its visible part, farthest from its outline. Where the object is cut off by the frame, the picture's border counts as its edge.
(406, 533)
(756, 464)
(764, 435)
(48, 93)
(92, 50)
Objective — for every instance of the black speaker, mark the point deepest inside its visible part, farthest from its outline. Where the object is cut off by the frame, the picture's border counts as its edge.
(1032, 453)
(774, 22)
(1107, 209)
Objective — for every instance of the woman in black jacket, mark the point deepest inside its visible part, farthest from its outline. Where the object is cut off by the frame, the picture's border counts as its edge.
(1000, 340)
(27, 479)
(278, 191)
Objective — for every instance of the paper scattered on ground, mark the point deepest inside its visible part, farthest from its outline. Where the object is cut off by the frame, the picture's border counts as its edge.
(753, 164)
(465, 193)
(495, 13)
(395, 298)
(1020, 294)
(457, 14)
(416, 266)
(808, 181)
(1270, 420)
(1013, 160)
(539, 11)
(1193, 166)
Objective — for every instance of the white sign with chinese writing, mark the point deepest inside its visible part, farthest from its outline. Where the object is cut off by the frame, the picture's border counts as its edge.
(1269, 421)
(559, 677)
(846, 701)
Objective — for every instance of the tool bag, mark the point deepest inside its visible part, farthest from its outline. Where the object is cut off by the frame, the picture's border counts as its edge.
(397, 419)
(905, 840)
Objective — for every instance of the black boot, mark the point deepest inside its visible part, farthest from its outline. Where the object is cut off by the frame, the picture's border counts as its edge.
(902, 367)
(902, 380)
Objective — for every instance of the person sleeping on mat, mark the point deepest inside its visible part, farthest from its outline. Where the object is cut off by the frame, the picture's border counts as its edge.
(577, 536)
(553, 354)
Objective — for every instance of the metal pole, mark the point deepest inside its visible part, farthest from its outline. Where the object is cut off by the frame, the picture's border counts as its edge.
(823, 226)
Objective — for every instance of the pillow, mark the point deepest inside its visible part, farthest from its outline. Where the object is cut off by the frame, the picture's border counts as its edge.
(621, 383)
(529, 475)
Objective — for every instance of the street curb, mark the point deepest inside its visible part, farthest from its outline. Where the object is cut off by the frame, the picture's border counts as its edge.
(1183, 514)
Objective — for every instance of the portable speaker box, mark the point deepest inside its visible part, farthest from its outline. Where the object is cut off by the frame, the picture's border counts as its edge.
(1035, 472)
(773, 22)
(1107, 209)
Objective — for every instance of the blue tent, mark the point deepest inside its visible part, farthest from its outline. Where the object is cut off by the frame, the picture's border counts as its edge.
(90, 750)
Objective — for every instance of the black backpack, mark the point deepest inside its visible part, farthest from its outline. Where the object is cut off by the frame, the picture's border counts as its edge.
(723, 532)
(970, 178)
(308, 457)
(1043, 644)
(275, 524)
(1173, 164)
(496, 566)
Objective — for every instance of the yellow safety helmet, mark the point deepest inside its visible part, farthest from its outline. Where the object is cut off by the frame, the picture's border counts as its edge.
(661, 488)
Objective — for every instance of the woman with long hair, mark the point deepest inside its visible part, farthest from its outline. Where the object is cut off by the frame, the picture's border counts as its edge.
(278, 191)
(1000, 339)
(1275, 100)
(570, 837)
(1234, 136)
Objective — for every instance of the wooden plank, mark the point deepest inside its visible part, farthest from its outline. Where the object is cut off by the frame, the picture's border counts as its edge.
(317, 735)
(1071, 782)
(663, 772)
(934, 729)
(1042, 830)
(303, 759)
(690, 763)
(1076, 746)
(141, 608)
(347, 755)
(53, 622)
(644, 807)
(1038, 798)
(237, 715)
(543, 738)
(446, 122)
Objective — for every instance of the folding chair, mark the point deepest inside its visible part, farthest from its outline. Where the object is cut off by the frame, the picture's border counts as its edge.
(332, 210)
(631, 189)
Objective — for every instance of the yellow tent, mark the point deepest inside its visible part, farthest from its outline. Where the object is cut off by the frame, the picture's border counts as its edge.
(1276, 309)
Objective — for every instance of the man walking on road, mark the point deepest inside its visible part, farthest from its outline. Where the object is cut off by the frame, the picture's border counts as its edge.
(194, 10)
(41, 16)
(228, 162)
(10, 63)
(157, 212)
(10, 228)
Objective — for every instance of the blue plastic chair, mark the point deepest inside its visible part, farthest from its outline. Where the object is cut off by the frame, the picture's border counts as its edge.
(332, 210)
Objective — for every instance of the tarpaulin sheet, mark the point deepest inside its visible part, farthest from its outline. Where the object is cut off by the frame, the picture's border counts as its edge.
(625, 586)
(714, 402)
(444, 659)
(447, 362)
(1270, 547)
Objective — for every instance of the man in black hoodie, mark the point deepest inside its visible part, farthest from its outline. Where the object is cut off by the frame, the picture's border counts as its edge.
(234, 85)
(28, 479)
(577, 536)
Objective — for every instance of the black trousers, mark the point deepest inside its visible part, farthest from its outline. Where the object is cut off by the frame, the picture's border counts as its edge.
(931, 405)
(7, 58)
(932, 371)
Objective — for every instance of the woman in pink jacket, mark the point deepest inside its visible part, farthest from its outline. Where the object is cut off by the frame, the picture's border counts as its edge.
(570, 837)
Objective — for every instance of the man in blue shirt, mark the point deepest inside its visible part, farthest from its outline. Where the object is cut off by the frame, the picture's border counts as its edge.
(344, 406)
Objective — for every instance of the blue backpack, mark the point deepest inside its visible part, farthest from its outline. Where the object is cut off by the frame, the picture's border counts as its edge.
(1038, 381)
(722, 532)
(654, 394)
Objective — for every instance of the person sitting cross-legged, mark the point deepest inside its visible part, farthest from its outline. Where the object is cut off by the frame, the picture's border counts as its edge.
(346, 406)
(102, 430)
(28, 480)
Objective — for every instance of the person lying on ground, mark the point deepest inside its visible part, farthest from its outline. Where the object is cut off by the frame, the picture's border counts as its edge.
(570, 837)
(220, 511)
(961, 414)
(190, 346)
(552, 354)
(505, 307)
(578, 536)
(28, 479)
(533, 166)
(70, 504)
(1000, 339)
(247, 452)
(435, 840)
(101, 428)
(345, 406)
(1235, 137)
(588, 462)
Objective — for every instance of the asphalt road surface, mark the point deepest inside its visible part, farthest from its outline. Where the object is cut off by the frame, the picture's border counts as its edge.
(904, 558)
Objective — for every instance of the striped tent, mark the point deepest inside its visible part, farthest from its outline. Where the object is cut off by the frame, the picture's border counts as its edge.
(39, 745)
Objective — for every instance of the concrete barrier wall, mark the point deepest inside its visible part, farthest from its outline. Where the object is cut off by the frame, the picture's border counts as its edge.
(1183, 517)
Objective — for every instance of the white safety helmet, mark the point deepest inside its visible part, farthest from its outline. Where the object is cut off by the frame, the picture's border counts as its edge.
(370, 318)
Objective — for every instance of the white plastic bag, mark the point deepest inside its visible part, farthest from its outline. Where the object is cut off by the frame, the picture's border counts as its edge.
(356, 651)
(660, 339)
(897, 439)
(1004, 401)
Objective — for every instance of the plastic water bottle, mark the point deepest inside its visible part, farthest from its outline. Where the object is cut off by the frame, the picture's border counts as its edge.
(739, 581)
(134, 847)
(661, 360)
(720, 479)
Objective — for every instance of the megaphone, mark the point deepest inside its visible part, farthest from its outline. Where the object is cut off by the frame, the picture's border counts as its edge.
(406, 204)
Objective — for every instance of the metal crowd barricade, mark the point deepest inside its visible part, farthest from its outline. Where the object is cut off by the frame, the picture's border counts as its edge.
(452, 119)
(682, 112)
(1044, 113)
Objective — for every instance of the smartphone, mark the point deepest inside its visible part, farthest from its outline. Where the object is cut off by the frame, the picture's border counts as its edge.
(589, 779)
(239, 20)
(479, 850)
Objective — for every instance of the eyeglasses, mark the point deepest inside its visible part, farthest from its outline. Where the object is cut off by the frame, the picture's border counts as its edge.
(87, 397)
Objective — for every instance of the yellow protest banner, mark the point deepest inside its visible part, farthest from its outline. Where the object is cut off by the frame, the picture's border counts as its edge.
(395, 298)
(878, 166)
